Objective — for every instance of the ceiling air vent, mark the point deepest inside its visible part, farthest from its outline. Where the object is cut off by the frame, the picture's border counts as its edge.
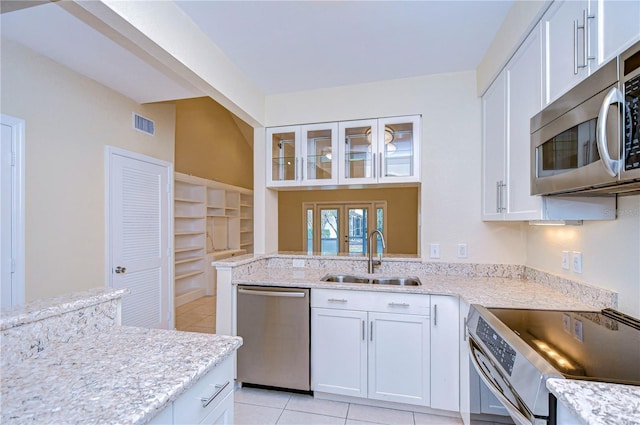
(143, 124)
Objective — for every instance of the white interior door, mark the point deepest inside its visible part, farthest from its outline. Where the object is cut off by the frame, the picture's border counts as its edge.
(11, 211)
(139, 229)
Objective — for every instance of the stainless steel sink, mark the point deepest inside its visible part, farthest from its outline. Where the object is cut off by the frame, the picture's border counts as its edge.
(347, 278)
(404, 281)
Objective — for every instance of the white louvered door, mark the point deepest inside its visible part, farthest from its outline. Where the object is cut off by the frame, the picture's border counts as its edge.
(139, 234)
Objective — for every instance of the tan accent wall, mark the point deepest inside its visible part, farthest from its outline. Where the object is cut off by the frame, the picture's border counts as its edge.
(402, 215)
(212, 143)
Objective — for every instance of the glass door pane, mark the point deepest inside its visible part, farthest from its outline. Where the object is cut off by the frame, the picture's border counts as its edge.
(358, 151)
(283, 155)
(398, 150)
(358, 230)
(309, 227)
(329, 230)
(379, 226)
(319, 154)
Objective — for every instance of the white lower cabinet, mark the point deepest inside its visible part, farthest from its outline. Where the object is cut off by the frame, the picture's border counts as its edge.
(371, 344)
(445, 352)
(209, 401)
(338, 351)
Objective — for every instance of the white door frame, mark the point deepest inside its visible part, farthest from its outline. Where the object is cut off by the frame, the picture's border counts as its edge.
(17, 207)
(110, 152)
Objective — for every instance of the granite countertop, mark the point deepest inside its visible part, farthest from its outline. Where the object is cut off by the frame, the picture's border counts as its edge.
(125, 375)
(487, 291)
(598, 403)
(50, 307)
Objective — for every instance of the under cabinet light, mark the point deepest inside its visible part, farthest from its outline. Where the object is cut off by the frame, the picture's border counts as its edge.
(555, 222)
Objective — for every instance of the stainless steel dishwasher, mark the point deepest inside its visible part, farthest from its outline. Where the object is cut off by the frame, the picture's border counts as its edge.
(274, 324)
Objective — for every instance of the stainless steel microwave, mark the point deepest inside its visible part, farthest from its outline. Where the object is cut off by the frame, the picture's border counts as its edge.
(588, 140)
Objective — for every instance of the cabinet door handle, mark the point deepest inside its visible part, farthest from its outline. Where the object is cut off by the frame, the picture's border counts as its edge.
(380, 165)
(301, 169)
(363, 330)
(575, 47)
(219, 388)
(464, 330)
(398, 305)
(371, 332)
(585, 41)
(373, 167)
(435, 315)
(337, 300)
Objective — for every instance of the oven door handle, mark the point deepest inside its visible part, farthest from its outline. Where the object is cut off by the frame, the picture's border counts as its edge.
(513, 410)
(612, 166)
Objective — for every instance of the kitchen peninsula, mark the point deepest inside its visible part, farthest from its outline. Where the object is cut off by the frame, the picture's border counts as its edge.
(491, 285)
(68, 360)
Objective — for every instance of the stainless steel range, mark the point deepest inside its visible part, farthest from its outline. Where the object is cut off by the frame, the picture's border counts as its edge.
(515, 351)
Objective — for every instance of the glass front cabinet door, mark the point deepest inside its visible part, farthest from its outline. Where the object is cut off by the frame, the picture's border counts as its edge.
(302, 155)
(383, 150)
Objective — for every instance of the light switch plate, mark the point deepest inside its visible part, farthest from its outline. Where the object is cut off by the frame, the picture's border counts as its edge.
(462, 250)
(298, 263)
(565, 260)
(434, 250)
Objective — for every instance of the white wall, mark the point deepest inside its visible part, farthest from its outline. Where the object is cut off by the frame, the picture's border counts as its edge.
(450, 194)
(610, 250)
(69, 120)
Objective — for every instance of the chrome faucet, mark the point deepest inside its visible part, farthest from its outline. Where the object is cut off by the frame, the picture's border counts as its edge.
(373, 263)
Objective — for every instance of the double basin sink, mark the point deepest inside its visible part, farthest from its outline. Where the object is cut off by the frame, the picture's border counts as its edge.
(347, 278)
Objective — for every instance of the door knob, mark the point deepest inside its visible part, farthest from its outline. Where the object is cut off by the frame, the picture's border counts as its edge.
(121, 269)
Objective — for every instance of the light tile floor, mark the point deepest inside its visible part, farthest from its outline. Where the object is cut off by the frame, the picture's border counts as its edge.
(255, 406)
(197, 316)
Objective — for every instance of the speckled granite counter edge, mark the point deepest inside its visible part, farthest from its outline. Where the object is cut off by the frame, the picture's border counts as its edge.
(584, 292)
(598, 403)
(42, 309)
(590, 294)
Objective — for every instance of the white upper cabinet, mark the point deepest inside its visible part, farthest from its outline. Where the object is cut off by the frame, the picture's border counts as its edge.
(582, 35)
(283, 146)
(319, 149)
(494, 140)
(302, 155)
(618, 27)
(375, 151)
(507, 107)
(384, 150)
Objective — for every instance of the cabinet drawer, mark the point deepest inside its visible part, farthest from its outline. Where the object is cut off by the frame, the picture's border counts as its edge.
(387, 302)
(341, 299)
(393, 302)
(189, 409)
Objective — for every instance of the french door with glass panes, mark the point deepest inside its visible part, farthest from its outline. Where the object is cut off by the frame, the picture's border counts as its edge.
(342, 228)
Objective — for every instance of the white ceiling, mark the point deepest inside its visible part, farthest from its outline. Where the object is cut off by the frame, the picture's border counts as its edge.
(282, 46)
(286, 46)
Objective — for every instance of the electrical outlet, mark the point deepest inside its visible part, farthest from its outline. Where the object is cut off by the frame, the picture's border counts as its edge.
(462, 250)
(577, 262)
(565, 260)
(434, 250)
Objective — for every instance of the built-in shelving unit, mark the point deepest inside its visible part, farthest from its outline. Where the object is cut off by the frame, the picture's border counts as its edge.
(212, 221)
